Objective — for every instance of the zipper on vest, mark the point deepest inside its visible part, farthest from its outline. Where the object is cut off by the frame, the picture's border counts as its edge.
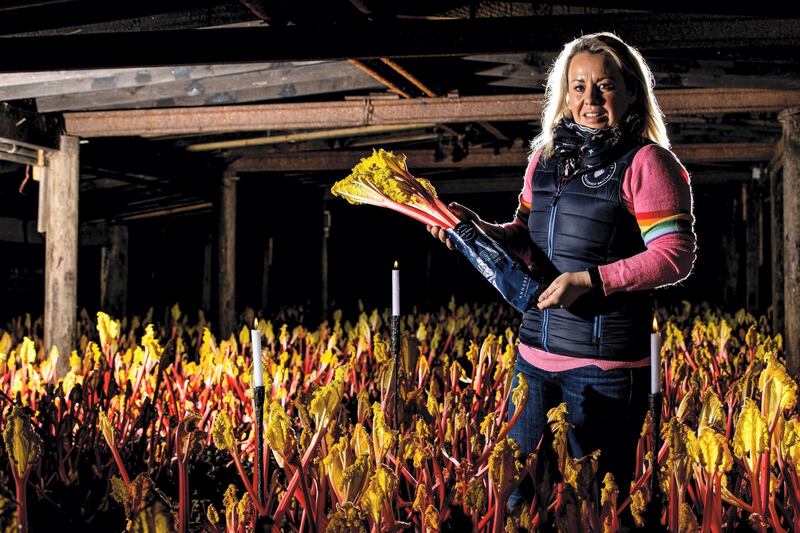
(596, 331)
(556, 196)
(551, 223)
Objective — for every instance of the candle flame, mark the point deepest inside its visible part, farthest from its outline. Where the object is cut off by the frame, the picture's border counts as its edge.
(655, 324)
(255, 324)
(395, 265)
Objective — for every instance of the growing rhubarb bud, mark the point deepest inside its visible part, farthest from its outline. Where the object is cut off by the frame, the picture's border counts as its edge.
(23, 445)
(711, 414)
(381, 486)
(212, 515)
(347, 519)
(711, 451)
(187, 437)
(280, 435)
(150, 342)
(383, 437)
(328, 398)
(107, 328)
(779, 391)
(519, 396)
(106, 428)
(347, 473)
(751, 436)
(360, 441)
(222, 432)
(681, 440)
(505, 470)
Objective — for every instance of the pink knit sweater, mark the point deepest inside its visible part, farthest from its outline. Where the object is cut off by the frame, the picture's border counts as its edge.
(656, 189)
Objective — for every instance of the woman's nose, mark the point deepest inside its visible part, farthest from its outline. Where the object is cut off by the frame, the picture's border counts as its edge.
(595, 96)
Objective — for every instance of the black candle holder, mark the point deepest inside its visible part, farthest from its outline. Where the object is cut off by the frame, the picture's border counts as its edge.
(258, 404)
(655, 505)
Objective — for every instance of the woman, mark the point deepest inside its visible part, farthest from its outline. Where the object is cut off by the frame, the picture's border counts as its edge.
(611, 205)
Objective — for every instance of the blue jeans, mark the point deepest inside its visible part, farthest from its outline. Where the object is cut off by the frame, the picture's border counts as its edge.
(605, 407)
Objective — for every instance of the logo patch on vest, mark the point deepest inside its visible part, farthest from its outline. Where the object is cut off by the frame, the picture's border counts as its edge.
(599, 177)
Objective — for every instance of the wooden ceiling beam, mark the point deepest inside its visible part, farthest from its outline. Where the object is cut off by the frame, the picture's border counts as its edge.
(421, 160)
(367, 112)
(20, 127)
(86, 16)
(289, 82)
(14, 86)
(699, 35)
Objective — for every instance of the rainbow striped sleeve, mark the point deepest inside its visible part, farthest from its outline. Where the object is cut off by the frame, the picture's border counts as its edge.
(654, 224)
(523, 211)
(659, 194)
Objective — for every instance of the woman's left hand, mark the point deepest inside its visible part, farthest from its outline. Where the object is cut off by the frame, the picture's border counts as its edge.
(565, 289)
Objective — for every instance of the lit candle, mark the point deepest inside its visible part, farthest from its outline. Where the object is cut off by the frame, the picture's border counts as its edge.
(655, 359)
(395, 290)
(255, 335)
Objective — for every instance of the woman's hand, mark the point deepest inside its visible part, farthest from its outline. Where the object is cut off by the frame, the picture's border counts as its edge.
(565, 289)
(463, 213)
(494, 231)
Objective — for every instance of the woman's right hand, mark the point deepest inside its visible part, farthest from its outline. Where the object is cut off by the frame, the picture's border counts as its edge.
(463, 213)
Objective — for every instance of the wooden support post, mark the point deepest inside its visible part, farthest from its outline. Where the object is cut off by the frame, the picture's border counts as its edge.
(114, 273)
(776, 259)
(791, 235)
(730, 243)
(227, 256)
(61, 251)
(326, 231)
(752, 202)
(265, 277)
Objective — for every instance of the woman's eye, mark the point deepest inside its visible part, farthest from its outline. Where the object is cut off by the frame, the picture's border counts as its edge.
(607, 86)
(578, 88)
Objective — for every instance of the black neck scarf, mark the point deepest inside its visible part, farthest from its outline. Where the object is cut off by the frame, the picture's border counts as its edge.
(580, 149)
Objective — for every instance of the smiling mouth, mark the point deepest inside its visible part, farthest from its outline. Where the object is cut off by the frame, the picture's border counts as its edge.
(594, 116)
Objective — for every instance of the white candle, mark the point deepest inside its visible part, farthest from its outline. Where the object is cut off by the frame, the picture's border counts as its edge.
(655, 359)
(395, 290)
(255, 335)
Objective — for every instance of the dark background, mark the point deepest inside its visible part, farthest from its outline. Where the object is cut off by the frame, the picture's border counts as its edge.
(166, 255)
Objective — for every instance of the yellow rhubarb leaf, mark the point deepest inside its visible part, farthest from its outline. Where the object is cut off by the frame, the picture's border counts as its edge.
(711, 451)
(107, 328)
(222, 432)
(347, 519)
(688, 522)
(381, 488)
(383, 437)
(23, 445)
(280, 434)
(750, 437)
(327, 399)
(188, 437)
(150, 343)
(505, 470)
(778, 390)
(519, 396)
(712, 414)
(360, 441)
(106, 428)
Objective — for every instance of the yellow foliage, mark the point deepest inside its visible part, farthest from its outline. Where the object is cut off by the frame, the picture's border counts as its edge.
(750, 438)
(23, 445)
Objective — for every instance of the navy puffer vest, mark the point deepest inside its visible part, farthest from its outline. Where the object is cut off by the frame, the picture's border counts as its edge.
(588, 225)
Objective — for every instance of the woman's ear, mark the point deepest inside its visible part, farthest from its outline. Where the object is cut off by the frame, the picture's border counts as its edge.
(634, 94)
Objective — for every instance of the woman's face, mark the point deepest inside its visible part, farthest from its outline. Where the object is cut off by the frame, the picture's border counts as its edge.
(597, 95)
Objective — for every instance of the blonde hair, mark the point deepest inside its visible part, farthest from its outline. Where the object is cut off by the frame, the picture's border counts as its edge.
(635, 72)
